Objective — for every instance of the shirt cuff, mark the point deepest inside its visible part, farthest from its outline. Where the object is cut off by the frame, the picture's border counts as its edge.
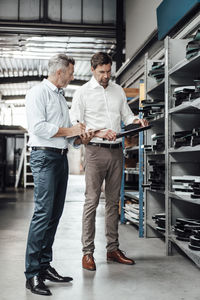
(52, 130)
(131, 119)
(71, 142)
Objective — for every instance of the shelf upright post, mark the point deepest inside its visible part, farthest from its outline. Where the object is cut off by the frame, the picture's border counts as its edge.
(141, 167)
(167, 145)
(145, 155)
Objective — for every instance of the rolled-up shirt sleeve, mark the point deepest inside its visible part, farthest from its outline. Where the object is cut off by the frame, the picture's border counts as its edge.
(35, 106)
(127, 115)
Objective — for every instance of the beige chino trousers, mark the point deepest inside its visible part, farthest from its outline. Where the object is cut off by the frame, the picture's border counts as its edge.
(102, 163)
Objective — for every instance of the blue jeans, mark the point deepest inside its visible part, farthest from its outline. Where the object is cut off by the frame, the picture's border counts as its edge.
(50, 173)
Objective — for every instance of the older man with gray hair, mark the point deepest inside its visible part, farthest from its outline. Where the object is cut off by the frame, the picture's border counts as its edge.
(49, 127)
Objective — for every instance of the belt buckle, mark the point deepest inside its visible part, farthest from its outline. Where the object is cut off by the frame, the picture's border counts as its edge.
(62, 151)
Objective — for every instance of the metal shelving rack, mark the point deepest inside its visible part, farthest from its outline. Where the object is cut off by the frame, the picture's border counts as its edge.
(154, 200)
(185, 160)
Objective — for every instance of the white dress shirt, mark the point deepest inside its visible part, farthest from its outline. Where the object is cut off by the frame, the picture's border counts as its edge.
(47, 111)
(101, 108)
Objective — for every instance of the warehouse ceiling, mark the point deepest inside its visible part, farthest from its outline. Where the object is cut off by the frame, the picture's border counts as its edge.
(32, 31)
(24, 58)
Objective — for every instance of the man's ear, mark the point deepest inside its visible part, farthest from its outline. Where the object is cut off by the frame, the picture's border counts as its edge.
(58, 72)
(92, 69)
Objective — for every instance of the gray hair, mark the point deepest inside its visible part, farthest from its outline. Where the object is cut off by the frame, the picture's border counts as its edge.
(59, 61)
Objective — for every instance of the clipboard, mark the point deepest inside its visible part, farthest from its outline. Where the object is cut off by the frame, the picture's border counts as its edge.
(95, 130)
(132, 132)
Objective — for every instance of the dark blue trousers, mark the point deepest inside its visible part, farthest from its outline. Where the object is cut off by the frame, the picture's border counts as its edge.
(50, 173)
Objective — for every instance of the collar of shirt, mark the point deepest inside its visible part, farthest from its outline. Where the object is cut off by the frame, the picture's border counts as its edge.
(94, 83)
(53, 87)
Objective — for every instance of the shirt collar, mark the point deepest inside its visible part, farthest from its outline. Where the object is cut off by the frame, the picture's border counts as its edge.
(94, 83)
(53, 87)
(50, 84)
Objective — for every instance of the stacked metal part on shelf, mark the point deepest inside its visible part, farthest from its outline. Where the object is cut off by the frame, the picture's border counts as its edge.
(188, 230)
(193, 47)
(186, 138)
(160, 220)
(187, 93)
(158, 143)
(157, 71)
(152, 108)
(186, 185)
(132, 211)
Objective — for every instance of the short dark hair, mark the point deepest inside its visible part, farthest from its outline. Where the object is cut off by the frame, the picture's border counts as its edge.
(59, 61)
(99, 59)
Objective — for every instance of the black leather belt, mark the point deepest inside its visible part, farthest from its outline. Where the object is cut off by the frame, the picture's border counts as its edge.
(61, 151)
(110, 146)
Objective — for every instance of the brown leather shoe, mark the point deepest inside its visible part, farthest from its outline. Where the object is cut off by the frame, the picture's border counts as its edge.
(88, 262)
(119, 257)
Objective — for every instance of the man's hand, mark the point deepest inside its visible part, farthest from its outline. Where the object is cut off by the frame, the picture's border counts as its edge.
(108, 134)
(84, 138)
(77, 129)
(141, 122)
(87, 136)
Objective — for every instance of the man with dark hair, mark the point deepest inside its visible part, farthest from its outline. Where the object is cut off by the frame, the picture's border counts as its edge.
(102, 104)
(100, 58)
(49, 127)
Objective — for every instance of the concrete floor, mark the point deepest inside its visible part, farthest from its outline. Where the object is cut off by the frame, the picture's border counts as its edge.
(154, 276)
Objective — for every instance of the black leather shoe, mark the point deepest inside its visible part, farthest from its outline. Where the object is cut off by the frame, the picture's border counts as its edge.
(37, 286)
(51, 274)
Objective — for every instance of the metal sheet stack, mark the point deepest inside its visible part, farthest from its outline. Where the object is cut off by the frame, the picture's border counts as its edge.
(186, 185)
(157, 71)
(158, 143)
(187, 93)
(183, 94)
(132, 212)
(186, 138)
(152, 108)
(188, 230)
(160, 221)
(193, 47)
